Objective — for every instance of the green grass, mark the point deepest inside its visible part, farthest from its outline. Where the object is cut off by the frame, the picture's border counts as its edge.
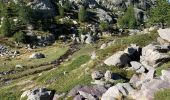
(51, 53)
(58, 72)
(162, 95)
(141, 40)
(10, 93)
(162, 67)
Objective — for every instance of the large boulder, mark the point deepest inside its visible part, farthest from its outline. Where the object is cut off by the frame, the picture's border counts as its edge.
(154, 55)
(117, 91)
(164, 34)
(37, 56)
(118, 59)
(38, 94)
(87, 92)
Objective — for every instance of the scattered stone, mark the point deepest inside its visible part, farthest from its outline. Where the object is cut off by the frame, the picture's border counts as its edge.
(93, 55)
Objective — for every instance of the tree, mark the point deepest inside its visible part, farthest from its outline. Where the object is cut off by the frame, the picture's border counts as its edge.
(6, 27)
(82, 14)
(25, 14)
(61, 10)
(128, 20)
(67, 5)
(104, 26)
(160, 13)
(3, 9)
(20, 37)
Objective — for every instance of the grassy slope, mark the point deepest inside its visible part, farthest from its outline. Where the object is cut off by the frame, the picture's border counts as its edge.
(76, 75)
(51, 53)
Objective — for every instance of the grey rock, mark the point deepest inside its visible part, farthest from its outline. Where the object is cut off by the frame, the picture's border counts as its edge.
(118, 59)
(154, 55)
(164, 34)
(103, 46)
(78, 97)
(148, 89)
(38, 94)
(138, 67)
(104, 16)
(18, 66)
(97, 75)
(87, 95)
(37, 56)
(89, 39)
(165, 75)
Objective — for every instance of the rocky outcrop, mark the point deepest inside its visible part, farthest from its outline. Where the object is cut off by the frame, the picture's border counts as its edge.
(154, 55)
(44, 7)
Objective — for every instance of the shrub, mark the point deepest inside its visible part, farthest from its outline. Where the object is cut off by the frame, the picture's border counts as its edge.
(20, 37)
(104, 26)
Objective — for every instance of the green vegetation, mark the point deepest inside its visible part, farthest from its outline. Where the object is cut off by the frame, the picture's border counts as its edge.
(162, 95)
(20, 37)
(160, 13)
(9, 93)
(128, 20)
(6, 27)
(61, 10)
(162, 67)
(51, 53)
(68, 81)
(82, 14)
(24, 14)
(104, 26)
(67, 5)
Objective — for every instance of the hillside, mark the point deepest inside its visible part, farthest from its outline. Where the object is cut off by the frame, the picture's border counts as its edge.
(84, 50)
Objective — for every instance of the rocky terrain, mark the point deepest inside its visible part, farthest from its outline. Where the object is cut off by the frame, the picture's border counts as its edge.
(84, 50)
